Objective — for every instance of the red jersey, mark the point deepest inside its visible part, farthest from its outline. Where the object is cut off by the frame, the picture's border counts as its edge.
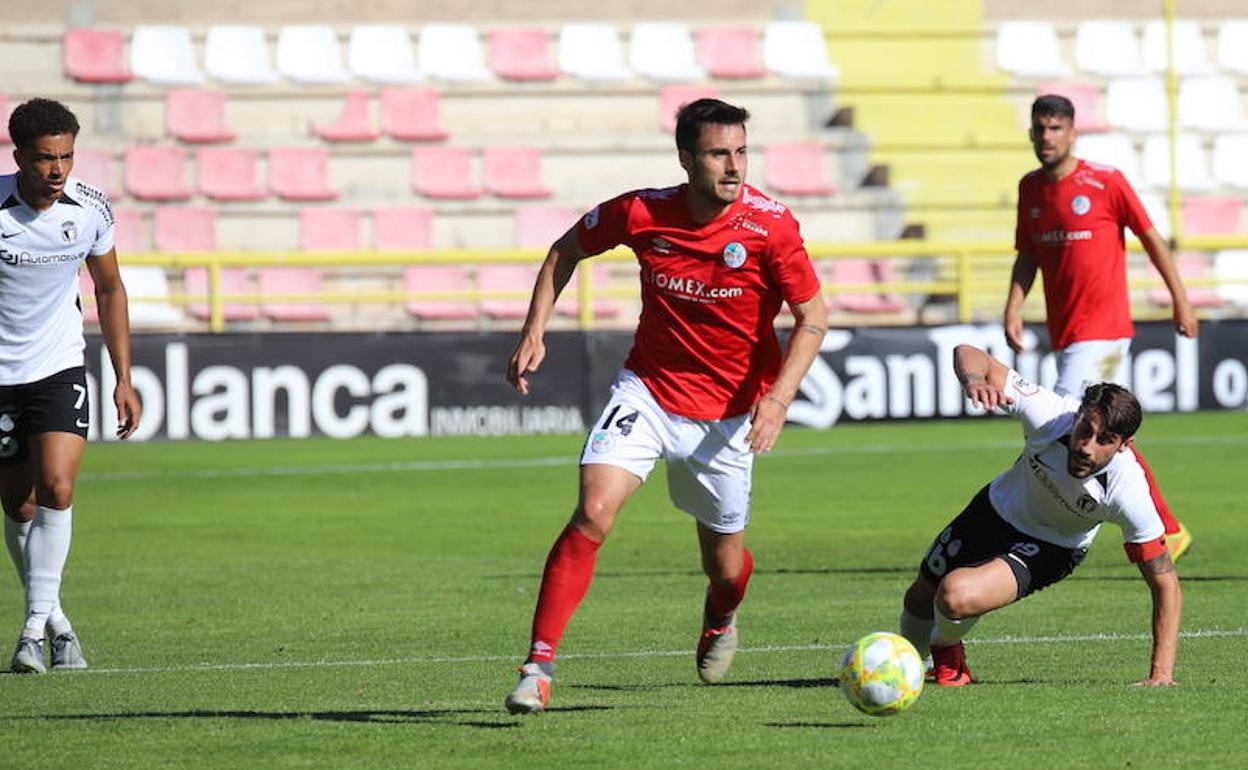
(705, 345)
(1074, 228)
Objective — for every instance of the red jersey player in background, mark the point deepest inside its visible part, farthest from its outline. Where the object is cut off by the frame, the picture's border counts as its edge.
(705, 386)
(1071, 215)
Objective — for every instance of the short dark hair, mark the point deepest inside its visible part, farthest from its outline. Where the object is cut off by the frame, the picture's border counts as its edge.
(40, 117)
(1052, 106)
(1119, 408)
(695, 114)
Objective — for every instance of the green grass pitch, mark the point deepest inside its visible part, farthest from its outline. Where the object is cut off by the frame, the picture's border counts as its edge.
(292, 604)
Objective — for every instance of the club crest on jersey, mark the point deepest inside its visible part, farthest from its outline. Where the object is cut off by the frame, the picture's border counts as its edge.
(601, 442)
(734, 255)
(69, 231)
(1081, 204)
(1086, 503)
(662, 245)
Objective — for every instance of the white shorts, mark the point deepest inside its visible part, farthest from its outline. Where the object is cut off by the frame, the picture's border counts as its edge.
(709, 464)
(1081, 364)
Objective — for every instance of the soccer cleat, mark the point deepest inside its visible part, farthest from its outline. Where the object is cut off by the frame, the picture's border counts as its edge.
(533, 692)
(67, 652)
(950, 669)
(1177, 543)
(716, 649)
(28, 657)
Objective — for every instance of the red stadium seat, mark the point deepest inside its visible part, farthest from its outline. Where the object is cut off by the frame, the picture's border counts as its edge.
(196, 116)
(444, 172)
(729, 52)
(355, 124)
(292, 280)
(434, 278)
(1191, 265)
(537, 227)
(797, 168)
(522, 54)
(95, 55)
(861, 271)
(156, 173)
(402, 228)
(185, 228)
(234, 281)
(300, 174)
(95, 167)
(672, 98)
(128, 236)
(329, 229)
(514, 172)
(229, 174)
(1086, 97)
(1211, 215)
(412, 114)
(516, 278)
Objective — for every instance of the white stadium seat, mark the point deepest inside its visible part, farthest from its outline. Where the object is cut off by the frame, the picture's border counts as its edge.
(1108, 48)
(1230, 160)
(1190, 56)
(1155, 205)
(382, 53)
(1210, 103)
(1193, 165)
(163, 54)
(452, 52)
(592, 52)
(1232, 265)
(237, 53)
(309, 53)
(664, 51)
(1137, 104)
(1111, 150)
(1233, 46)
(796, 49)
(1030, 49)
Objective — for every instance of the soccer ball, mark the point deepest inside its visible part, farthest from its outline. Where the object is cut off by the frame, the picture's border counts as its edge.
(881, 674)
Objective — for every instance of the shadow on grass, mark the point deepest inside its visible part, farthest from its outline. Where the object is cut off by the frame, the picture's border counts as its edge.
(909, 569)
(1134, 578)
(821, 725)
(458, 717)
(791, 683)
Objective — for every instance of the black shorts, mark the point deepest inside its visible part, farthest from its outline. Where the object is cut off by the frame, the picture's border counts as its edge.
(54, 404)
(979, 534)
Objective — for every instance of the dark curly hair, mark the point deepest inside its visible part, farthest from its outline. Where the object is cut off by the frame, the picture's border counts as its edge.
(40, 117)
(1117, 405)
(694, 115)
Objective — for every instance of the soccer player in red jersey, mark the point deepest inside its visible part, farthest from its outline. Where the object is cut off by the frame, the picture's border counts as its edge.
(1071, 215)
(705, 387)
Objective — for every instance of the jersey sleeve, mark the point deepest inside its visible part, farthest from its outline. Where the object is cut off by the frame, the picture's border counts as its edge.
(1143, 533)
(1022, 223)
(1037, 408)
(605, 226)
(790, 264)
(104, 236)
(1130, 211)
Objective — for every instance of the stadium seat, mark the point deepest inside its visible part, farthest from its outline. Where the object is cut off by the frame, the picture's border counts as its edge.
(355, 124)
(382, 53)
(1230, 160)
(1155, 206)
(537, 227)
(672, 98)
(309, 53)
(1233, 46)
(402, 228)
(438, 278)
(731, 53)
(847, 272)
(412, 114)
(1230, 268)
(797, 49)
(292, 280)
(184, 229)
(300, 174)
(1193, 166)
(1030, 49)
(501, 277)
(451, 52)
(146, 287)
(796, 168)
(1191, 265)
(329, 229)
(163, 55)
(1211, 215)
(95, 55)
(1086, 98)
(238, 54)
(95, 167)
(664, 51)
(522, 54)
(1108, 48)
(592, 52)
(196, 116)
(1115, 150)
(156, 173)
(1190, 55)
(569, 305)
(229, 174)
(4, 125)
(1137, 104)
(1211, 104)
(444, 173)
(128, 232)
(234, 281)
(513, 172)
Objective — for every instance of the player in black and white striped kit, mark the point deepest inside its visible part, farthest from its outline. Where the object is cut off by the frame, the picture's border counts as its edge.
(50, 223)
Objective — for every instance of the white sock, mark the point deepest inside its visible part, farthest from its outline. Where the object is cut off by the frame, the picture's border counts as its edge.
(948, 631)
(47, 547)
(918, 630)
(15, 539)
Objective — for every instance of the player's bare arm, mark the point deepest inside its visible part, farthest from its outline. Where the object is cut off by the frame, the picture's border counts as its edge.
(982, 376)
(110, 298)
(554, 274)
(1163, 583)
(1159, 254)
(810, 324)
(1021, 279)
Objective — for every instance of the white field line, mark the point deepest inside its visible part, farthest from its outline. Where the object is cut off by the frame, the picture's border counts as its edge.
(570, 459)
(1212, 633)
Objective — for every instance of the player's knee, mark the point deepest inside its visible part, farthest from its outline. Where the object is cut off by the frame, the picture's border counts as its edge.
(595, 516)
(957, 597)
(55, 492)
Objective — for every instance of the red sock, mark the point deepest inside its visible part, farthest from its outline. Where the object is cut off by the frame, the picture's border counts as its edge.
(569, 571)
(1167, 518)
(722, 600)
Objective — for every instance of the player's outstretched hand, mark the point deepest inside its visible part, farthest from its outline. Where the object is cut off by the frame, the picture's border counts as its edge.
(1156, 681)
(766, 421)
(525, 359)
(984, 394)
(129, 410)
